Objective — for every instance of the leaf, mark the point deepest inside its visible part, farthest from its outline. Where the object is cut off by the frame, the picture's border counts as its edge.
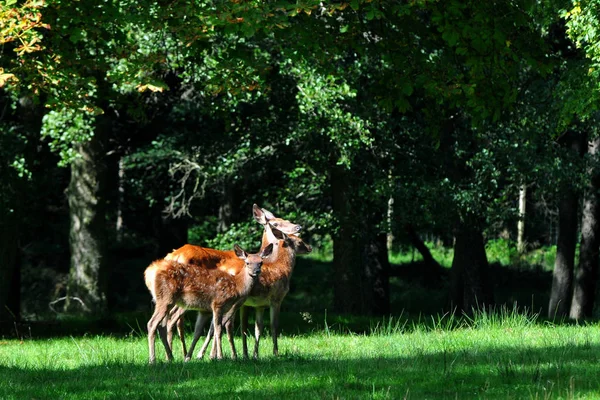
(5, 77)
(150, 87)
(450, 36)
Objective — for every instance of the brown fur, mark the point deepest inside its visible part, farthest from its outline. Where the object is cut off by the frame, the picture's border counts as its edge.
(204, 289)
(210, 258)
(270, 290)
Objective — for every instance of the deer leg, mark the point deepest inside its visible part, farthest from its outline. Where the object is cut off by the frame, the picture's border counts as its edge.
(275, 325)
(244, 327)
(213, 349)
(176, 319)
(160, 312)
(209, 336)
(162, 333)
(181, 333)
(258, 328)
(229, 328)
(200, 322)
(218, 325)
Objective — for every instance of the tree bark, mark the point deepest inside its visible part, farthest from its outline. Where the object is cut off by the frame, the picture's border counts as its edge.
(346, 247)
(360, 259)
(584, 285)
(432, 269)
(562, 276)
(521, 223)
(376, 266)
(120, 200)
(10, 287)
(173, 234)
(87, 233)
(471, 287)
(226, 207)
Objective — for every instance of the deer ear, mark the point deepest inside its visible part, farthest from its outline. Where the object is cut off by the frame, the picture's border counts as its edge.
(239, 252)
(268, 214)
(304, 248)
(278, 234)
(259, 215)
(267, 251)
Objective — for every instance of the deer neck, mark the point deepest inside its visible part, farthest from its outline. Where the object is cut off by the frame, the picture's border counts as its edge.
(285, 259)
(268, 238)
(245, 282)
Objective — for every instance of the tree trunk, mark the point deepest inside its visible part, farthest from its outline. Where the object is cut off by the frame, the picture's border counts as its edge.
(10, 287)
(346, 247)
(376, 266)
(226, 207)
(584, 286)
(120, 200)
(432, 269)
(172, 235)
(521, 223)
(562, 276)
(87, 235)
(471, 288)
(360, 259)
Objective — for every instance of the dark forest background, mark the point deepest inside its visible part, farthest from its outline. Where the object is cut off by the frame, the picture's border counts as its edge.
(464, 134)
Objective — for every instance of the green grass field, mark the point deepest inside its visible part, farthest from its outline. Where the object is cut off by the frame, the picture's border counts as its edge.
(488, 357)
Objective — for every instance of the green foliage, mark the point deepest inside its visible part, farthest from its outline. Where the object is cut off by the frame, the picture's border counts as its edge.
(246, 234)
(64, 128)
(583, 22)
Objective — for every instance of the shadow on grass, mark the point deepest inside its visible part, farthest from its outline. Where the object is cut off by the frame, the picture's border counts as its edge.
(550, 372)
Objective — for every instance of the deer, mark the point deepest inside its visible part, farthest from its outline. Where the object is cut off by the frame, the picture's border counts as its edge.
(270, 290)
(208, 290)
(203, 258)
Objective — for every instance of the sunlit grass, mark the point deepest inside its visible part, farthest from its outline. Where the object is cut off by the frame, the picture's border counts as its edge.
(500, 251)
(503, 355)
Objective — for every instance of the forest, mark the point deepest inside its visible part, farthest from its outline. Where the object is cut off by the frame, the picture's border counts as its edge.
(395, 133)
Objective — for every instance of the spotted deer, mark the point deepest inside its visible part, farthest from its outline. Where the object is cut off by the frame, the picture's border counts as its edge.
(208, 290)
(205, 258)
(270, 290)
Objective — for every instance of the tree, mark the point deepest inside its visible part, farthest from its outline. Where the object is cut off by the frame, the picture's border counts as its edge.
(586, 275)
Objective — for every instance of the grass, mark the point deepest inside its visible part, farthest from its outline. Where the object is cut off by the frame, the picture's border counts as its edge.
(499, 251)
(505, 355)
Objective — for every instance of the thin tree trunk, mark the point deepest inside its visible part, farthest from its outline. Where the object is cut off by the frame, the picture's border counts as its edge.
(120, 200)
(87, 237)
(562, 276)
(471, 287)
(432, 269)
(521, 223)
(584, 285)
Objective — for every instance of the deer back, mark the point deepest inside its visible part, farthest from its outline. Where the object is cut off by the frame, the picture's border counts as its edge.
(225, 260)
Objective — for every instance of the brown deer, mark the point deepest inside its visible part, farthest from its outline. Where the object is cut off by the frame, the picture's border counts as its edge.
(270, 290)
(208, 290)
(202, 257)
